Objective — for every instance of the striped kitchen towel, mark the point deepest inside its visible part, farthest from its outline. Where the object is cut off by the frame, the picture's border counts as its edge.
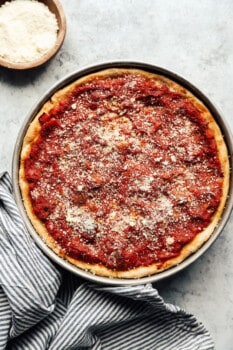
(43, 307)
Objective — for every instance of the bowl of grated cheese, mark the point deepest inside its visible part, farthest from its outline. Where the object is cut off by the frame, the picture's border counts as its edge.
(31, 32)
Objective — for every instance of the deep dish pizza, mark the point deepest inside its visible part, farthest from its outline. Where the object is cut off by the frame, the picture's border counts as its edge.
(124, 173)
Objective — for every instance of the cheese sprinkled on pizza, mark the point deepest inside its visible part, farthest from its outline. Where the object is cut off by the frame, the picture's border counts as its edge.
(124, 170)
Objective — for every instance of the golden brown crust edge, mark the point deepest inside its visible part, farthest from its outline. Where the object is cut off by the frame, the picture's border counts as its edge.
(97, 269)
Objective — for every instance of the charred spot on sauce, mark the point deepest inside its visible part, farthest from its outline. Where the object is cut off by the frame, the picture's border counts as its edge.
(42, 207)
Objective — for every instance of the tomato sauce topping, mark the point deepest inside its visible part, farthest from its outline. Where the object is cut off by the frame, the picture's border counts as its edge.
(124, 172)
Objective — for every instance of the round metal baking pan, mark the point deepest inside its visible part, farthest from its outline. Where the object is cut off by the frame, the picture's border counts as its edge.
(15, 169)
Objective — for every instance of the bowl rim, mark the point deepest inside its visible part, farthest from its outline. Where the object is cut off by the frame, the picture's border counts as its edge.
(15, 168)
(52, 52)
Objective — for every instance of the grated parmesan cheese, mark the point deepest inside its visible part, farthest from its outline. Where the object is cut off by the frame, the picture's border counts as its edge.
(170, 240)
(80, 218)
(28, 30)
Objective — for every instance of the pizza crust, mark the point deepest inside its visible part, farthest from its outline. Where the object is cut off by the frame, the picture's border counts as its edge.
(190, 248)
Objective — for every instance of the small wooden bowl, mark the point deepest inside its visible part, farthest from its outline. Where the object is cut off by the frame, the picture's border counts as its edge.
(56, 8)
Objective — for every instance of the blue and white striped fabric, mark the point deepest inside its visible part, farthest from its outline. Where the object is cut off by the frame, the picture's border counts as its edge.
(43, 307)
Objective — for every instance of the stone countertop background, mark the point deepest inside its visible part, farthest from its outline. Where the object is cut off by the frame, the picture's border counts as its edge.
(192, 38)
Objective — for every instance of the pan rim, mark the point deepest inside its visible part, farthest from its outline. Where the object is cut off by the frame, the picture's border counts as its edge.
(92, 69)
